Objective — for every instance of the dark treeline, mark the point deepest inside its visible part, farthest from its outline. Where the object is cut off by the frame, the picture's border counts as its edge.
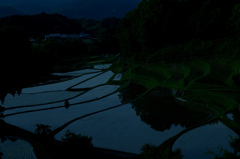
(40, 24)
(19, 64)
(16, 58)
(106, 30)
(22, 63)
(164, 30)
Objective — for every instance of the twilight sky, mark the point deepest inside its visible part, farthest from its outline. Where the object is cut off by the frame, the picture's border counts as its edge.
(95, 9)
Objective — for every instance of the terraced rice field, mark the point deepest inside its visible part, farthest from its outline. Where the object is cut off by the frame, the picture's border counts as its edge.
(148, 105)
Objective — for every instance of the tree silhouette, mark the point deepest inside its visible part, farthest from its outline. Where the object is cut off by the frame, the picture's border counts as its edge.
(15, 56)
(43, 130)
(77, 141)
(159, 109)
(131, 92)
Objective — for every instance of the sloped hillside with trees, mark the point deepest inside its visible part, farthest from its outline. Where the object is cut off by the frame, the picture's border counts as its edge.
(165, 30)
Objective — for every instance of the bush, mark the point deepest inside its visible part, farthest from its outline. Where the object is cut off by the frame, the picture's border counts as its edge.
(43, 130)
(153, 152)
(79, 140)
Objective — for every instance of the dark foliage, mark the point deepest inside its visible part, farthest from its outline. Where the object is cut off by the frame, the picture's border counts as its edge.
(154, 152)
(131, 92)
(53, 49)
(172, 24)
(78, 145)
(77, 140)
(43, 130)
(19, 65)
(91, 26)
(108, 35)
(16, 57)
(40, 24)
(158, 109)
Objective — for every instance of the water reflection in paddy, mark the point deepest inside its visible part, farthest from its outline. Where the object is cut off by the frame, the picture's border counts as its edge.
(152, 119)
(119, 129)
(37, 98)
(93, 94)
(59, 116)
(77, 73)
(61, 86)
(101, 79)
(159, 109)
(197, 142)
(16, 148)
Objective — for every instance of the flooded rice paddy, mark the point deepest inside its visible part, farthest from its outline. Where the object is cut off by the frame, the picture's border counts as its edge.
(77, 73)
(102, 66)
(197, 142)
(101, 79)
(61, 86)
(119, 129)
(117, 118)
(16, 148)
(118, 77)
(37, 98)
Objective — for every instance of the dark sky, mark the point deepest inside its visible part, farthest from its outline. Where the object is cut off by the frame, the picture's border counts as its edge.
(95, 9)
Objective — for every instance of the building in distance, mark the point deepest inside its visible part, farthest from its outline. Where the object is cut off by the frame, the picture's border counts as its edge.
(63, 37)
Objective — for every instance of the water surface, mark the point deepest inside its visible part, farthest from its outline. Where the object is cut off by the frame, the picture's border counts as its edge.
(119, 129)
(102, 66)
(101, 79)
(159, 109)
(77, 73)
(122, 121)
(61, 86)
(197, 142)
(14, 148)
(37, 98)
(59, 116)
